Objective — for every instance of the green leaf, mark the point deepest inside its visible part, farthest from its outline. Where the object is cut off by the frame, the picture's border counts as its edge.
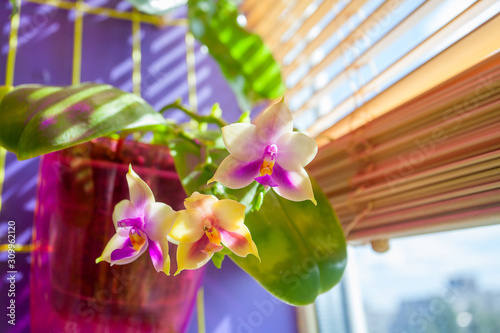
(15, 7)
(245, 61)
(4, 90)
(156, 7)
(36, 120)
(187, 156)
(302, 246)
(218, 257)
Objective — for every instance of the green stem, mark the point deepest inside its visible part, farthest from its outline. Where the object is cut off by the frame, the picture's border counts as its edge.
(199, 118)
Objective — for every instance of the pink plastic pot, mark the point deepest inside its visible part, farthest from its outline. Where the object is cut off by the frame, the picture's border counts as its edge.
(78, 189)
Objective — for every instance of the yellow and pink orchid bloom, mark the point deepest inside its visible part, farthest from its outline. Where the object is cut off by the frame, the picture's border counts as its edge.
(206, 226)
(270, 153)
(140, 223)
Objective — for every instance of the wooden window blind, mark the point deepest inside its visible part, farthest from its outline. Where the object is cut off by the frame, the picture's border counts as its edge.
(347, 62)
(431, 164)
(404, 100)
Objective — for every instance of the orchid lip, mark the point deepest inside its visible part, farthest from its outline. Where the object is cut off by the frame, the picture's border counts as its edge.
(136, 238)
(266, 180)
(267, 165)
(122, 253)
(211, 231)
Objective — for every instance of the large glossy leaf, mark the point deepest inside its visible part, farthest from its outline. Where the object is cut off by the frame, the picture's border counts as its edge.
(245, 61)
(302, 246)
(36, 119)
(156, 7)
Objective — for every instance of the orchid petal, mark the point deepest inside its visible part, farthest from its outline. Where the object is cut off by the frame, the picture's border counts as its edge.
(274, 122)
(124, 232)
(293, 185)
(229, 214)
(241, 141)
(158, 250)
(295, 150)
(188, 226)
(140, 193)
(239, 242)
(192, 255)
(132, 222)
(121, 243)
(235, 174)
(159, 219)
(118, 241)
(123, 210)
(200, 202)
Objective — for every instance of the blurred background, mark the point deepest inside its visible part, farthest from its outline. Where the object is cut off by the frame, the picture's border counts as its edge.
(403, 98)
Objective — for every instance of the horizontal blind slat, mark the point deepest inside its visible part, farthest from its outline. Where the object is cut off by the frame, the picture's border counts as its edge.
(461, 175)
(341, 18)
(444, 81)
(474, 218)
(347, 42)
(260, 11)
(449, 99)
(433, 42)
(382, 79)
(395, 33)
(349, 211)
(264, 22)
(433, 209)
(460, 56)
(279, 28)
(438, 197)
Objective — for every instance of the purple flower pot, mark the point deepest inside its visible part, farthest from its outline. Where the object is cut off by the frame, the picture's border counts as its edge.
(77, 191)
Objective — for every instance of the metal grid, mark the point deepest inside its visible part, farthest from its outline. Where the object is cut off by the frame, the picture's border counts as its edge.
(80, 8)
(136, 19)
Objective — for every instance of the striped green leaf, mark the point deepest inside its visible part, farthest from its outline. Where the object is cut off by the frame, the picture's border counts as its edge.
(245, 61)
(36, 120)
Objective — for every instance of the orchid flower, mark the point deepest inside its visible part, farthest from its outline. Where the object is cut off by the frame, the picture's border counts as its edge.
(205, 226)
(140, 223)
(270, 153)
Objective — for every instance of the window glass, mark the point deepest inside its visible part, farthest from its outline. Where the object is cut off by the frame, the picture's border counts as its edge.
(444, 282)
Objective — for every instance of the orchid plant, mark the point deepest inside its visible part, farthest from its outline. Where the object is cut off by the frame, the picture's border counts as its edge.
(208, 224)
(287, 238)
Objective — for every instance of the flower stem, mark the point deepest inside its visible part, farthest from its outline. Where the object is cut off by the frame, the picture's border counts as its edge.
(199, 118)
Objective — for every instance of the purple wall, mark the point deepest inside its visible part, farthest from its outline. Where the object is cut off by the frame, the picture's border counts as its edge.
(234, 302)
